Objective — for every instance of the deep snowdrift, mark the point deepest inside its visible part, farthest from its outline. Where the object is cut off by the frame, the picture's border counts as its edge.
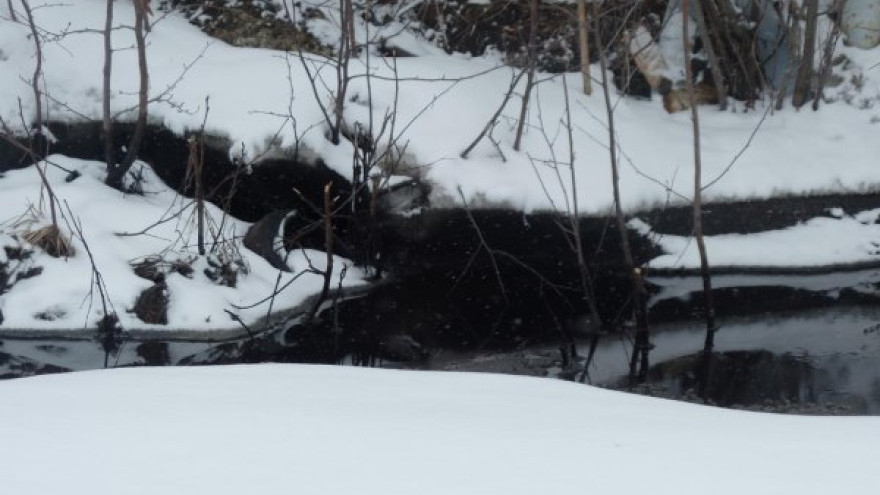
(274, 429)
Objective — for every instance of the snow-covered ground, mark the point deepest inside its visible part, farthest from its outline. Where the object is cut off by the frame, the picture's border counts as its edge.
(274, 429)
(66, 296)
(818, 242)
(441, 102)
(439, 114)
(280, 429)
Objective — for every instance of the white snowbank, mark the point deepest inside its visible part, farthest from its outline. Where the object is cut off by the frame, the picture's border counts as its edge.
(281, 429)
(820, 241)
(792, 152)
(65, 296)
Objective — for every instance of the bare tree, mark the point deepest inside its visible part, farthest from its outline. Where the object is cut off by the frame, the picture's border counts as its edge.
(709, 344)
(638, 294)
(804, 83)
(584, 46)
(714, 65)
(107, 121)
(827, 55)
(586, 279)
(37, 141)
(793, 35)
(116, 171)
(531, 66)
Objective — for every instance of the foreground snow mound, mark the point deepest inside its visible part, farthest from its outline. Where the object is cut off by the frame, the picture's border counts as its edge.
(282, 429)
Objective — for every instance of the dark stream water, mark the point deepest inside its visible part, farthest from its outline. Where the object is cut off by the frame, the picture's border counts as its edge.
(786, 361)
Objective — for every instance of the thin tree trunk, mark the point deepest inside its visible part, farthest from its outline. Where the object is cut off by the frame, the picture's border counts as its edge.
(643, 335)
(38, 68)
(827, 56)
(116, 175)
(530, 76)
(714, 64)
(793, 34)
(346, 49)
(584, 46)
(583, 270)
(328, 238)
(709, 343)
(35, 136)
(803, 84)
(143, 92)
(12, 11)
(328, 247)
(195, 168)
(107, 124)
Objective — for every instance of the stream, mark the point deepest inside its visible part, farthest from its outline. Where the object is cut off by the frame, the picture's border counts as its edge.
(821, 360)
(496, 290)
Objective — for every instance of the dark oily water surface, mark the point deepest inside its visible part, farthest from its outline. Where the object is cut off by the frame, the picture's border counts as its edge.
(822, 360)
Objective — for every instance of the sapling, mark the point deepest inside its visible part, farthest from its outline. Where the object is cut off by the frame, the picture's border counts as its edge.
(709, 308)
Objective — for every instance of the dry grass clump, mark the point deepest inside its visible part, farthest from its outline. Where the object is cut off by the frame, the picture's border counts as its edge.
(51, 240)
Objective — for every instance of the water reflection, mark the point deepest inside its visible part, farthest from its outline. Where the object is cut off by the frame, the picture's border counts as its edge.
(824, 356)
(827, 356)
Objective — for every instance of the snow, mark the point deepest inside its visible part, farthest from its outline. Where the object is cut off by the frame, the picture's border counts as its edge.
(66, 289)
(263, 101)
(438, 115)
(818, 242)
(682, 287)
(273, 429)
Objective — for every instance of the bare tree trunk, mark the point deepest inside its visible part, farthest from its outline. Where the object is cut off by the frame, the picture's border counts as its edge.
(107, 123)
(328, 247)
(12, 11)
(639, 295)
(714, 65)
(328, 238)
(698, 208)
(134, 145)
(804, 83)
(827, 55)
(530, 75)
(195, 168)
(793, 35)
(117, 172)
(346, 49)
(36, 140)
(38, 69)
(574, 219)
(584, 46)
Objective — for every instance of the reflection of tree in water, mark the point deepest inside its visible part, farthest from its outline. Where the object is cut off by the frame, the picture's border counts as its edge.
(742, 377)
(874, 394)
(12, 366)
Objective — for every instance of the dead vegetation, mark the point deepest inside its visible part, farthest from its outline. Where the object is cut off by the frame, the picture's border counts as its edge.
(51, 240)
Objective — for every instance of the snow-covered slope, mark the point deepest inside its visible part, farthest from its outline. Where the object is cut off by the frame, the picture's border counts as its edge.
(124, 230)
(439, 114)
(274, 429)
(440, 103)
